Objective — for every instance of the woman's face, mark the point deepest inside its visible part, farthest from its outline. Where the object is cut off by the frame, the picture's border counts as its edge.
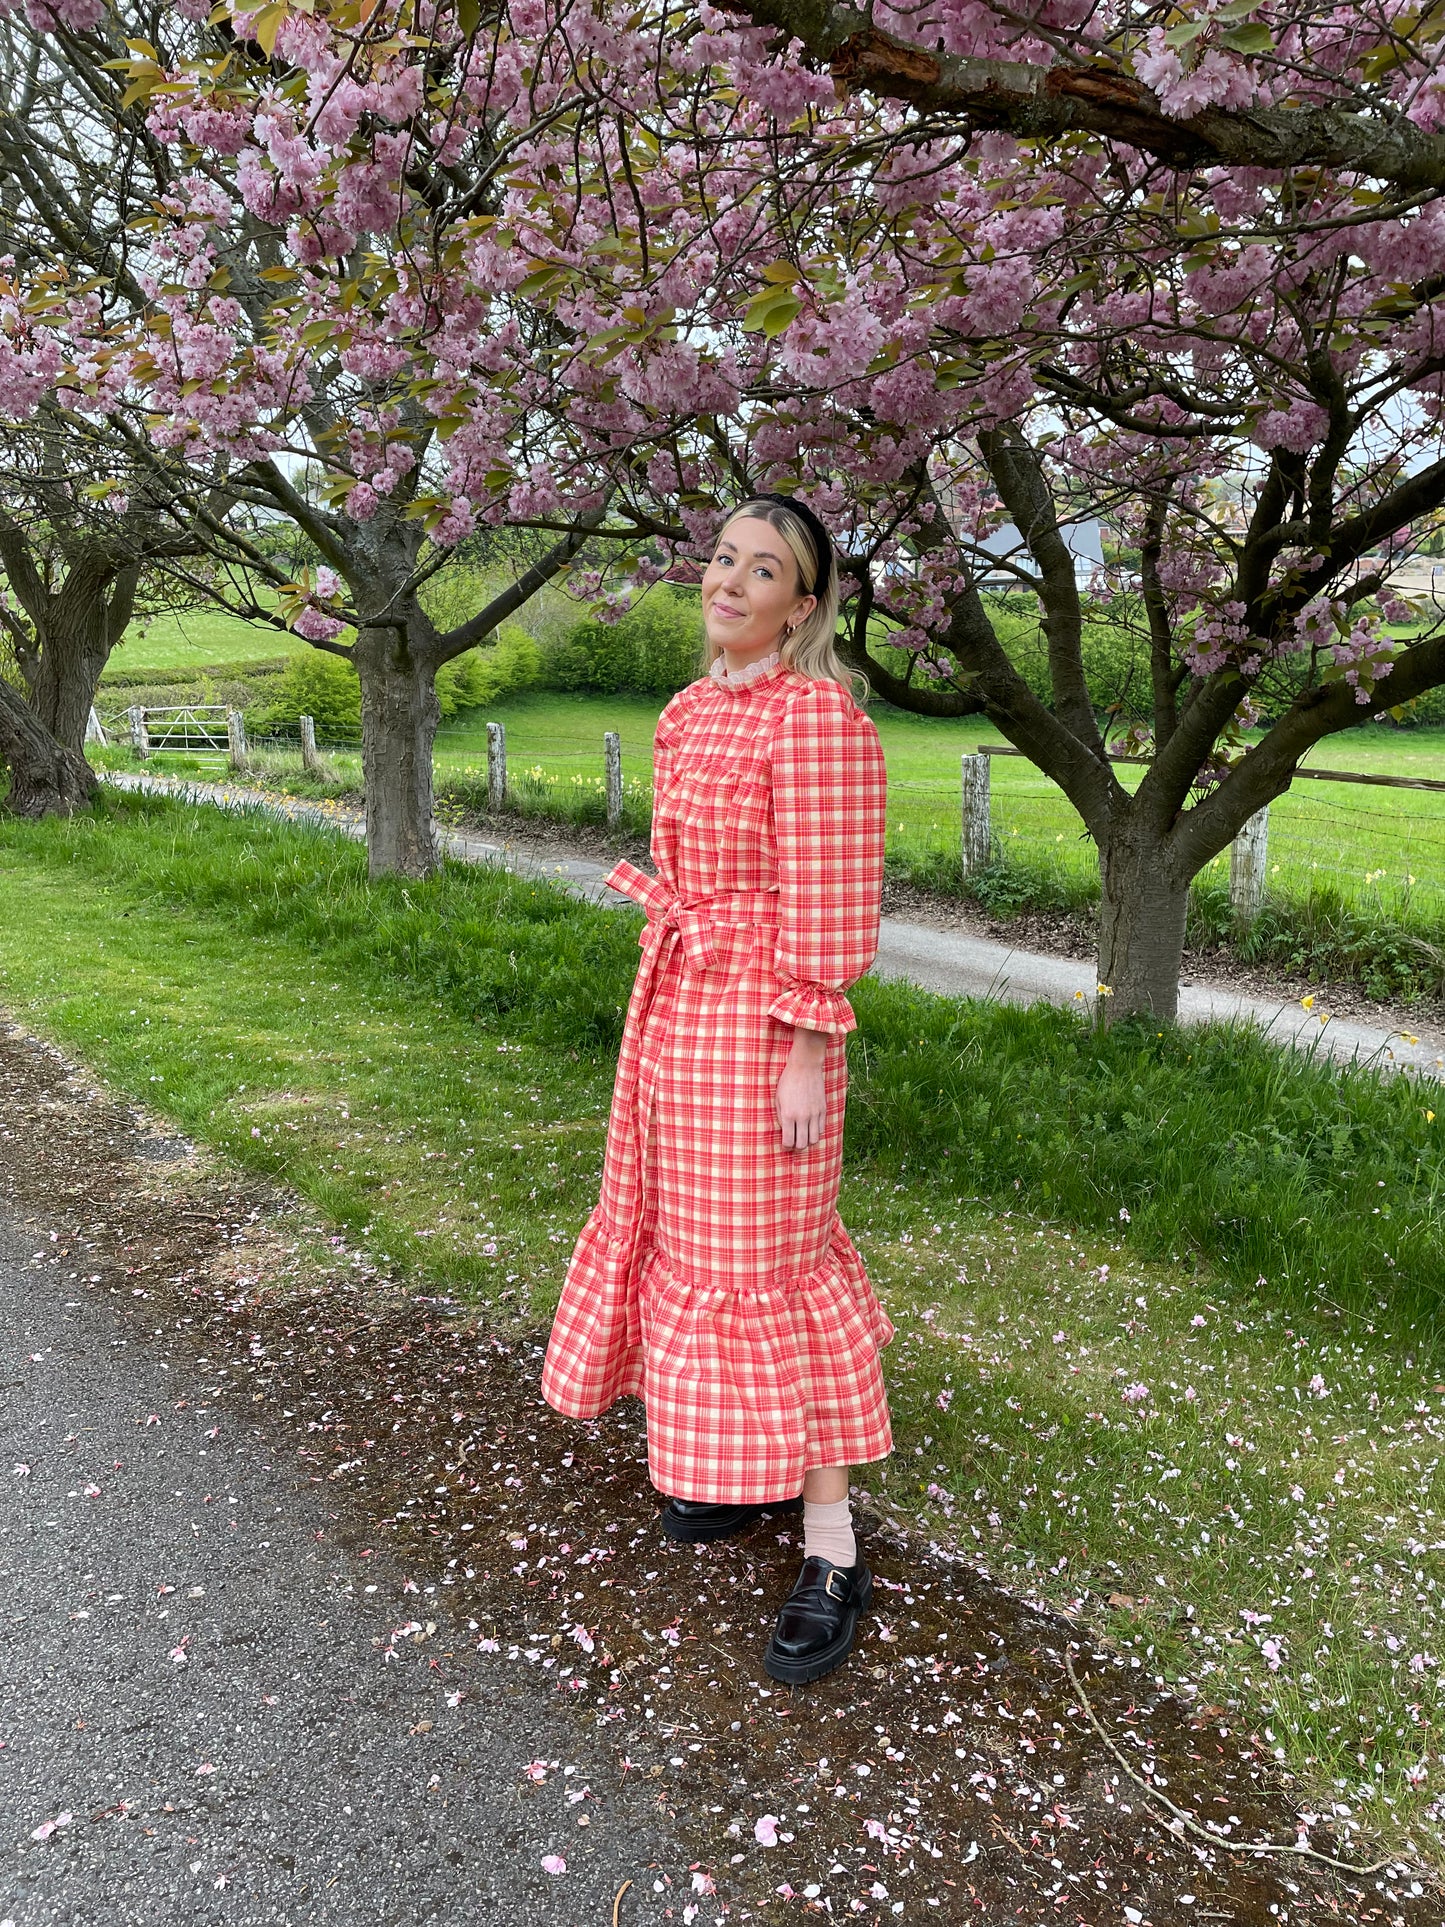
(750, 591)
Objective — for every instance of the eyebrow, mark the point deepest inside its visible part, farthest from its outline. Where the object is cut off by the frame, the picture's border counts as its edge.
(765, 554)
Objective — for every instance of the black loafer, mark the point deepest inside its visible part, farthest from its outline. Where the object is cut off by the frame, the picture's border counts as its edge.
(695, 1523)
(815, 1629)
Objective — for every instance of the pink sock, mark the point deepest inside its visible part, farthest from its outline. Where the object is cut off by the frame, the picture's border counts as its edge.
(828, 1533)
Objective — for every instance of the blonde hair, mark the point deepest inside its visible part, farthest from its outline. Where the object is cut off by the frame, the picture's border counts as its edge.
(811, 647)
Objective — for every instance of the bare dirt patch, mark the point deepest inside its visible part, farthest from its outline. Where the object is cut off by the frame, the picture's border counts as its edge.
(949, 1772)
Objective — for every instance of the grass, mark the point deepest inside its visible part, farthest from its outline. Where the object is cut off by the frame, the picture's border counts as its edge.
(1380, 850)
(1376, 850)
(1322, 920)
(1094, 1388)
(195, 639)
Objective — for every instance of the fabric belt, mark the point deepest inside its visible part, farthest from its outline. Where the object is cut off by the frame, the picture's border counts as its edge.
(691, 920)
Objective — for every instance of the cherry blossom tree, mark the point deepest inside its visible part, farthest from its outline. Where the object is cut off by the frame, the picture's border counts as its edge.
(959, 322)
(255, 246)
(603, 269)
(79, 531)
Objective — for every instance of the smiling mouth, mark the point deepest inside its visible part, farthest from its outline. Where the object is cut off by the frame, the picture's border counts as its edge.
(725, 609)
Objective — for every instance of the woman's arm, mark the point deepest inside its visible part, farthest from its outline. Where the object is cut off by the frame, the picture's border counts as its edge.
(829, 800)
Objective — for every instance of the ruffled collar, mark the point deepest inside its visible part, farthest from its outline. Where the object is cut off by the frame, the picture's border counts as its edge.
(734, 680)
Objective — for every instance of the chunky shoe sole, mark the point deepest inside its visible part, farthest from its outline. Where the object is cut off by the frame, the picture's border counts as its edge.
(703, 1532)
(801, 1672)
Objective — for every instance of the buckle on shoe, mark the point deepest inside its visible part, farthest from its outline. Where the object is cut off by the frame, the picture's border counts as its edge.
(828, 1585)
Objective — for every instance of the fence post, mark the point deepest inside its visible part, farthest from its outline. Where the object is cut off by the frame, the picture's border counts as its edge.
(612, 766)
(140, 740)
(236, 738)
(1248, 855)
(977, 819)
(309, 758)
(496, 766)
(93, 730)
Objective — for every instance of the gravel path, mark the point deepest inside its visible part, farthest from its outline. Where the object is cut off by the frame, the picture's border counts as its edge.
(196, 1701)
(948, 961)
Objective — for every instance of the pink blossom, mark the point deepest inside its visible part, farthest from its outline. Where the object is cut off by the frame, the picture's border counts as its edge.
(765, 1830)
(316, 627)
(47, 16)
(553, 1863)
(367, 198)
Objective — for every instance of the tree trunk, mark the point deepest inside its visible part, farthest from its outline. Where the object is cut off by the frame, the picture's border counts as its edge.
(65, 682)
(75, 630)
(399, 717)
(46, 778)
(1141, 929)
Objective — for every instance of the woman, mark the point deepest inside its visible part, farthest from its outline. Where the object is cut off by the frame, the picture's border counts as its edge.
(714, 1277)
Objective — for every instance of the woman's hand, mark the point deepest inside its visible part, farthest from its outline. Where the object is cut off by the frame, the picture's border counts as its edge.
(798, 1101)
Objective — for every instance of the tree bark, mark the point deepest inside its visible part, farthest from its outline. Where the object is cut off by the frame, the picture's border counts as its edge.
(1144, 901)
(399, 717)
(46, 778)
(1041, 101)
(66, 680)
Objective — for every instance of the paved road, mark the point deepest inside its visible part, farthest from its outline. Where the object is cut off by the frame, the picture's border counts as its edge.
(947, 961)
(190, 1675)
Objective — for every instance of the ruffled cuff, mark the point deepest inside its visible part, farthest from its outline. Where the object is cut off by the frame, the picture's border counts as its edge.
(811, 1007)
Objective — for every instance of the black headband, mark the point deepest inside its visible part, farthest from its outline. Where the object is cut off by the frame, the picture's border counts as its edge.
(822, 541)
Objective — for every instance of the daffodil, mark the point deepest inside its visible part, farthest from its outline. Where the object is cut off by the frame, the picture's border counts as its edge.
(1307, 1003)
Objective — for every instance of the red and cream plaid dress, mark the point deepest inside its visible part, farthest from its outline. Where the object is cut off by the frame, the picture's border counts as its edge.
(714, 1278)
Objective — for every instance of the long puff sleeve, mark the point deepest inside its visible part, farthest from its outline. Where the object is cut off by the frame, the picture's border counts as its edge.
(829, 798)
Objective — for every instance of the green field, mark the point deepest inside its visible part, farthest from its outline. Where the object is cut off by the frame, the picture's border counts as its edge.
(200, 639)
(1377, 845)
(1169, 1305)
(1381, 850)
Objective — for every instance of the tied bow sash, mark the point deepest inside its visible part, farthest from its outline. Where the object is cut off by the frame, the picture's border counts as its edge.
(690, 921)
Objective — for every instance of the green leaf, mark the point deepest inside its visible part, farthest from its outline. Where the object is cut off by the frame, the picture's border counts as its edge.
(782, 273)
(1251, 38)
(469, 16)
(771, 312)
(1182, 36)
(266, 24)
(779, 315)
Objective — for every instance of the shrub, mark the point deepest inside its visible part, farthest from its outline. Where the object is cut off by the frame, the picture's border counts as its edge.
(323, 687)
(654, 650)
(118, 674)
(511, 662)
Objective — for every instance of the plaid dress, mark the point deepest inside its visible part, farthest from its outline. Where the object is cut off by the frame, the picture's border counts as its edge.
(714, 1278)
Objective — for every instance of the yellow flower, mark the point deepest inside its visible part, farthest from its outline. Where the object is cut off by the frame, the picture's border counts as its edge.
(1307, 1003)
(1078, 993)
(1429, 1117)
(1104, 990)
(1407, 1038)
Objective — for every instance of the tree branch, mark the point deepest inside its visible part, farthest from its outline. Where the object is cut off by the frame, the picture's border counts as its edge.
(1037, 102)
